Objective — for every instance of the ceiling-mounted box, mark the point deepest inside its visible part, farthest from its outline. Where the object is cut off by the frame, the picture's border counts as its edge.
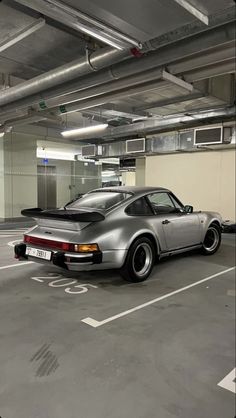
(88, 150)
(135, 145)
(212, 135)
(91, 150)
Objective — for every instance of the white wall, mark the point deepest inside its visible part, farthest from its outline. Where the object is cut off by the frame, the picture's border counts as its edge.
(204, 179)
(2, 204)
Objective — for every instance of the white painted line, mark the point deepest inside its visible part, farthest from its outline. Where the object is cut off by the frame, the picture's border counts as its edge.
(21, 263)
(228, 382)
(94, 323)
(12, 243)
(8, 236)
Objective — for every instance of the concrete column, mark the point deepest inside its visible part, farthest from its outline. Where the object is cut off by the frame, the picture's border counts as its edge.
(140, 171)
(128, 178)
(19, 174)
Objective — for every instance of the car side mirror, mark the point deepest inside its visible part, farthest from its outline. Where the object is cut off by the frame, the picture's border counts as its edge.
(188, 209)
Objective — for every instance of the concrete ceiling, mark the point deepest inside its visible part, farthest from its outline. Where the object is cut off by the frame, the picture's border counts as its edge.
(55, 44)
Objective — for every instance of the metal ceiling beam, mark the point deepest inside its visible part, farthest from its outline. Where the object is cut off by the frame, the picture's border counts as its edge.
(81, 22)
(176, 80)
(15, 37)
(219, 18)
(194, 11)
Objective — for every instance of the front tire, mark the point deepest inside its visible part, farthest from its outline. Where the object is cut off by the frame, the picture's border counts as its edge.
(140, 261)
(212, 240)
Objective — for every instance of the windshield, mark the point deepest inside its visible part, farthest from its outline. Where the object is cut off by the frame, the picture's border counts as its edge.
(99, 200)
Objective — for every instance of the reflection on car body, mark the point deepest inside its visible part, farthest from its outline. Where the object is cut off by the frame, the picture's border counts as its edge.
(127, 228)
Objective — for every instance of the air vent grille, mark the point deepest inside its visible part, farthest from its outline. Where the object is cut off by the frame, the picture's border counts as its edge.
(208, 136)
(135, 145)
(89, 151)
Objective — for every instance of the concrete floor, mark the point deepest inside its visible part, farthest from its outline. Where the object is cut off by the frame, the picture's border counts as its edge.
(162, 361)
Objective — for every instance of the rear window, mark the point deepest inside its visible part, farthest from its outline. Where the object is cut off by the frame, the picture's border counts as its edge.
(99, 200)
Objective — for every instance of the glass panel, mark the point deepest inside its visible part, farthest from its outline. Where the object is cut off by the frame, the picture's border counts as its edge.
(139, 207)
(99, 200)
(161, 203)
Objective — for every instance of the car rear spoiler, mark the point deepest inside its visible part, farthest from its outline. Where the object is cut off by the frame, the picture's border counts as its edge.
(64, 215)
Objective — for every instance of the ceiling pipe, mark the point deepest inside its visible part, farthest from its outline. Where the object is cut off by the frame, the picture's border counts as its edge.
(204, 42)
(115, 84)
(137, 89)
(108, 97)
(77, 68)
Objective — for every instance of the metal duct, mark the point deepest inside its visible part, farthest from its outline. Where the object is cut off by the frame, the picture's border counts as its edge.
(206, 41)
(80, 67)
(167, 142)
(183, 66)
(107, 97)
(158, 124)
(137, 89)
(101, 89)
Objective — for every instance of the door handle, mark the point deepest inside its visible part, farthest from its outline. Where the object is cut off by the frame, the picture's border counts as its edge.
(166, 222)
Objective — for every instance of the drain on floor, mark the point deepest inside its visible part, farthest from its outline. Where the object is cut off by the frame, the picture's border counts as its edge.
(48, 362)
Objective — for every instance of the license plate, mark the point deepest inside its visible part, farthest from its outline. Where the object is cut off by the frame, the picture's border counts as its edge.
(34, 252)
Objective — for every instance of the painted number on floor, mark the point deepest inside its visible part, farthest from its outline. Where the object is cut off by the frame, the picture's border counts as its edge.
(69, 285)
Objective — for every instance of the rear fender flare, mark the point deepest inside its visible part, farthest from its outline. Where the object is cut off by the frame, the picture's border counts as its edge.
(144, 232)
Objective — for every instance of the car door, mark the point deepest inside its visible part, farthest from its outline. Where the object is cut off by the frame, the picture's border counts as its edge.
(180, 229)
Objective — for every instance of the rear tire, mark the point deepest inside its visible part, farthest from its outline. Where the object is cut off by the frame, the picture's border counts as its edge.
(139, 261)
(212, 240)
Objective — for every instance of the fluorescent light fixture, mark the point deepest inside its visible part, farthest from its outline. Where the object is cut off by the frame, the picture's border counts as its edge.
(82, 131)
(2, 134)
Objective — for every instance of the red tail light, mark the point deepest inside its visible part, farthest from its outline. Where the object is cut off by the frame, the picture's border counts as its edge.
(58, 245)
(48, 243)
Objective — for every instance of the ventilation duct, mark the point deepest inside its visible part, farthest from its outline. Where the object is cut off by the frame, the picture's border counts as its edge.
(163, 143)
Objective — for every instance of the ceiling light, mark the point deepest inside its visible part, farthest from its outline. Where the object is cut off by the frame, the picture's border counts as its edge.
(2, 134)
(86, 130)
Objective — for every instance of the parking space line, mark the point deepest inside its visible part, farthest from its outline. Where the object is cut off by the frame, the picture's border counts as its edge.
(16, 265)
(94, 323)
(228, 382)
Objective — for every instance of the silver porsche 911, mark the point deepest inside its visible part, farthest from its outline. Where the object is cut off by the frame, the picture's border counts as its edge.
(126, 228)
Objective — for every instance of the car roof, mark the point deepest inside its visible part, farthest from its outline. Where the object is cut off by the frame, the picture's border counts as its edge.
(136, 190)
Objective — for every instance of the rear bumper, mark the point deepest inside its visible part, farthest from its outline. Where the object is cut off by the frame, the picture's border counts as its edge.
(77, 262)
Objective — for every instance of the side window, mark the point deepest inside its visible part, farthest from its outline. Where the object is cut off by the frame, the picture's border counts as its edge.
(162, 203)
(176, 202)
(139, 207)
